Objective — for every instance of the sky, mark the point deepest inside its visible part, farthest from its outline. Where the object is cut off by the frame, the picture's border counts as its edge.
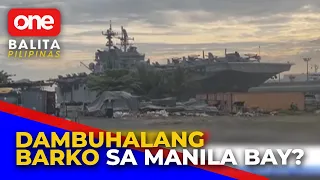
(285, 30)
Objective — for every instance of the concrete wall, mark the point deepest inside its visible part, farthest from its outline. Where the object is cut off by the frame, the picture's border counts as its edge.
(267, 101)
(271, 101)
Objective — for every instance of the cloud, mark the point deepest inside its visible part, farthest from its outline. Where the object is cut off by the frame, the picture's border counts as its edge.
(284, 29)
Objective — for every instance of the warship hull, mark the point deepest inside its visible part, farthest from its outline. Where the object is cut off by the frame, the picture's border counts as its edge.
(236, 77)
(233, 81)
(231, 73)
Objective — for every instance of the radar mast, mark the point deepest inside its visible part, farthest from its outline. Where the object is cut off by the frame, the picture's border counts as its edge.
(124, 39)
(109, 35)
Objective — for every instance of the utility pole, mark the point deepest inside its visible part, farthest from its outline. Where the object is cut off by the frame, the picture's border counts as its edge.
(279, 77)
(315, 67)
(307, 61)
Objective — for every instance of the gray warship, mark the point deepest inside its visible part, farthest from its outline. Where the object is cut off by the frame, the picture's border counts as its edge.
(231, 73)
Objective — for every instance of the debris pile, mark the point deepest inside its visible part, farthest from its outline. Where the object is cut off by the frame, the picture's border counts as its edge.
(161, 113)
(273, 113)
(245, 114)
(164, 108)
(124, 105)
(254, 112)
(190, 114)
(120, 114)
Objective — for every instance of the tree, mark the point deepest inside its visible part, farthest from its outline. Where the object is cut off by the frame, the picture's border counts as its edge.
(5, 77)
(114, 80)
(180, 83)
(151, 81)
(292, 77)
(145, 81)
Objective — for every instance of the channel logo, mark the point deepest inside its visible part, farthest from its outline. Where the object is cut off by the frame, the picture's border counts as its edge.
(33, 32)
(34, 22)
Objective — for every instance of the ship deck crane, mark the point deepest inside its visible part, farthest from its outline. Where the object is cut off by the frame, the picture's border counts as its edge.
(81, 63)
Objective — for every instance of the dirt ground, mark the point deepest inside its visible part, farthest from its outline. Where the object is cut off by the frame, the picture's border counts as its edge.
(299, 129)
(226, 129)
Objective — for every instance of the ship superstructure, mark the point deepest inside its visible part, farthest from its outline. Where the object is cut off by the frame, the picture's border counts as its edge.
(114, 57)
